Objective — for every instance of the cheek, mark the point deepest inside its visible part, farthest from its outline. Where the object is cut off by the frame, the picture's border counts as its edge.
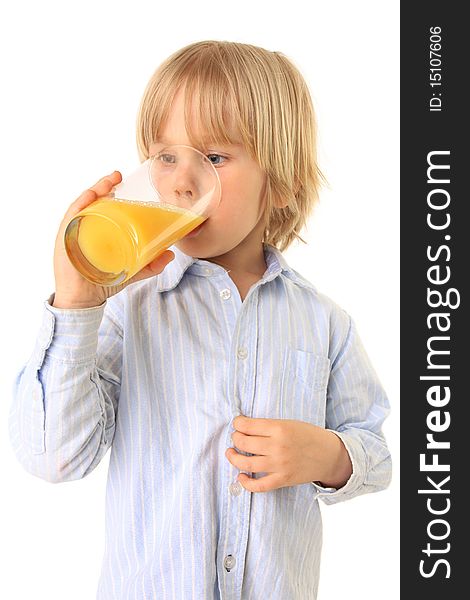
(241, 196)
(230, 214)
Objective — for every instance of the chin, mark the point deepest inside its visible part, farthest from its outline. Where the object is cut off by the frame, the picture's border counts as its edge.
(198, 249)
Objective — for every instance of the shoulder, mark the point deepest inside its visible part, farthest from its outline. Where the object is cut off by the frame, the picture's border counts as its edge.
(296, 282)
(322, 303)
(333, 324)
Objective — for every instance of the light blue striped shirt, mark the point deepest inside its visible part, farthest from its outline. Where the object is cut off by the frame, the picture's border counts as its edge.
(159, 372)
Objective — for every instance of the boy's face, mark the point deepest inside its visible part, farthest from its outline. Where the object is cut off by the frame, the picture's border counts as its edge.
(236, 226)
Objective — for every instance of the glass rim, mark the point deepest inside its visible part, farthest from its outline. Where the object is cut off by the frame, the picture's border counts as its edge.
(152, 158)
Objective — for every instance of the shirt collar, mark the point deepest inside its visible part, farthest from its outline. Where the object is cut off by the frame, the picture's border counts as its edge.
(182, 263)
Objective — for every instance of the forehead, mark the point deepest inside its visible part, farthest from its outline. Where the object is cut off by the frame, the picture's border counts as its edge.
(195, 116)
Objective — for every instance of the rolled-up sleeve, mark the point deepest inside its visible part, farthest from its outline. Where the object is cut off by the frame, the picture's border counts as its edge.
(356, 408)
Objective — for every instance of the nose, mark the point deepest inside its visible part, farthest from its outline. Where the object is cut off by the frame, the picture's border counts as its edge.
(185, 180)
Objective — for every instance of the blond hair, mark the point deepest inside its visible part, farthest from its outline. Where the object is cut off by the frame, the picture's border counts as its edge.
(265, 97)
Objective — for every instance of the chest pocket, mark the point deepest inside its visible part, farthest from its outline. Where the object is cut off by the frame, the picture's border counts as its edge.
(304, 386)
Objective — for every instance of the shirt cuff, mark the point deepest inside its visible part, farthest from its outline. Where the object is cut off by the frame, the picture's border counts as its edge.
(357, 477)
(68, 335)
(322, 490)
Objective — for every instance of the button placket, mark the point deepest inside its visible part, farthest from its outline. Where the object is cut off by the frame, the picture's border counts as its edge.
(235, 519)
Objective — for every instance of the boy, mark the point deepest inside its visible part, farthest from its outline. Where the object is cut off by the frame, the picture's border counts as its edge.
(202, 503)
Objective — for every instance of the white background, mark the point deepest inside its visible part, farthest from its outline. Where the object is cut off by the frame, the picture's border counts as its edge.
(72, 78)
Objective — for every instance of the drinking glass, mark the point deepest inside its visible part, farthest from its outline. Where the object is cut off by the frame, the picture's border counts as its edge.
(168, 196)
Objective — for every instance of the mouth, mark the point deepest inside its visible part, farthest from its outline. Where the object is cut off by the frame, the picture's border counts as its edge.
(194, 232)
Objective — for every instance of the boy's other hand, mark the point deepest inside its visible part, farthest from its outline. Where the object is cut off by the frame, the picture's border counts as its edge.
(71, 289)
(290, 452)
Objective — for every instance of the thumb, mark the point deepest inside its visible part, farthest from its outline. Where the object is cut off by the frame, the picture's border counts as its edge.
(158, 264)
(155, 267)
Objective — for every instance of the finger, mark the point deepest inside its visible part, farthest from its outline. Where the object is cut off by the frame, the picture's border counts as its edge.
(101, 188)
(251, 426)
(263, 484)
(155, 267)
(255, 444)
(105, 184)
(252, 464)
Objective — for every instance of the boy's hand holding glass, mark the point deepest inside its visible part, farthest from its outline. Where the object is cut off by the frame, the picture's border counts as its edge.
(116, 233)
(290, 452)
(72, 290)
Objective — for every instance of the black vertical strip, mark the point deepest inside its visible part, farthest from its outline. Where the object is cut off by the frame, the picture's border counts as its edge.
(435, 319)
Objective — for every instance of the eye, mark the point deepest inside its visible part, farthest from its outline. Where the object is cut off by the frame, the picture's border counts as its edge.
(167, 158)
(216, 159)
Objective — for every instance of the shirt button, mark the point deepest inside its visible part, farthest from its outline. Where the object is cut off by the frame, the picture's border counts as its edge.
(242, 353)
(208, 271)
(225, 294)
(229, 562)
(235, 488)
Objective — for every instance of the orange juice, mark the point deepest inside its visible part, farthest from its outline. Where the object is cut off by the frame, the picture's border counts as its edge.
(111, 240)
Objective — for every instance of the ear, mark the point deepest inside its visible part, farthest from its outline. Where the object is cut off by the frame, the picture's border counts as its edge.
(282, 201)
(279, 200)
